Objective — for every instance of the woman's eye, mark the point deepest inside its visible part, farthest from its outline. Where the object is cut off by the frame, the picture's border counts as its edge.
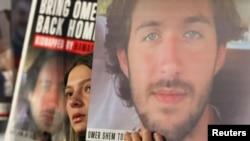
(193, 35)
(151, 37)
(87, 89)
(68, 94)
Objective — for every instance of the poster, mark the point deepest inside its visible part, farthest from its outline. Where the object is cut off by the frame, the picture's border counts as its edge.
(57, 33)
(157, 56)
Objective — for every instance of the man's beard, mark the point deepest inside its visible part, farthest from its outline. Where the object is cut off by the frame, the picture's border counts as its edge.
(177, 131)
(42, 125)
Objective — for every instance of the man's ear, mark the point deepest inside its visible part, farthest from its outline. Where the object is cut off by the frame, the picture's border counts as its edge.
(122, 58)
(221, 55)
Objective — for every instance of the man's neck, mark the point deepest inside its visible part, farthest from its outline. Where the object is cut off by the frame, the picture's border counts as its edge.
(199, 133)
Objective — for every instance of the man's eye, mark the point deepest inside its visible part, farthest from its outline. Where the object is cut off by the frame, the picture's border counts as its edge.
(193, 35)
(45, 87)
(151, 37)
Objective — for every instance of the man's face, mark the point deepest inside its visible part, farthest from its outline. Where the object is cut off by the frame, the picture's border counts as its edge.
(47, 99)
(171, 60)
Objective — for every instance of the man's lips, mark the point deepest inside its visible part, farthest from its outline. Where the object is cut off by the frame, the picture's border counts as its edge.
(78, 117)
(48, 117)
(169, 95)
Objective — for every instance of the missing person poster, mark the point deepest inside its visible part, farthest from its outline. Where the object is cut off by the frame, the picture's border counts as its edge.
(173, 67)
(58, 32)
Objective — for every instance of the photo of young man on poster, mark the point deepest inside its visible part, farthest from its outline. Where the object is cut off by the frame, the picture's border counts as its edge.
(43, 97)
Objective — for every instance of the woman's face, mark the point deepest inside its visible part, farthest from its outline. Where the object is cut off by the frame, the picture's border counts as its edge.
(77, 94)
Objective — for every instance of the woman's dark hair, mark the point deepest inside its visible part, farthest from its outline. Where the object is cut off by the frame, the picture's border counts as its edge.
(81, 60)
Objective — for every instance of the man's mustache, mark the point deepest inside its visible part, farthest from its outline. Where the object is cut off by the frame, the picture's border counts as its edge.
(171, 83)
(54, 113)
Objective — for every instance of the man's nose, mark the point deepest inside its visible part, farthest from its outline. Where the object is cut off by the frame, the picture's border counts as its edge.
(170, 55)
(53, 99)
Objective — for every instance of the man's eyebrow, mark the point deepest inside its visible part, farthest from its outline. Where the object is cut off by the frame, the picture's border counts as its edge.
(199, 18)
(193, 19)
(148, 24)
(45, 81)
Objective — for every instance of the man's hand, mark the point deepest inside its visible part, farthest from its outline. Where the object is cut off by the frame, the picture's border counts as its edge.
(143, 135)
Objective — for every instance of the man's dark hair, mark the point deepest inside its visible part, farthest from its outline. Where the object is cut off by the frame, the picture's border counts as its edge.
(227, 23)
(81, 60)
